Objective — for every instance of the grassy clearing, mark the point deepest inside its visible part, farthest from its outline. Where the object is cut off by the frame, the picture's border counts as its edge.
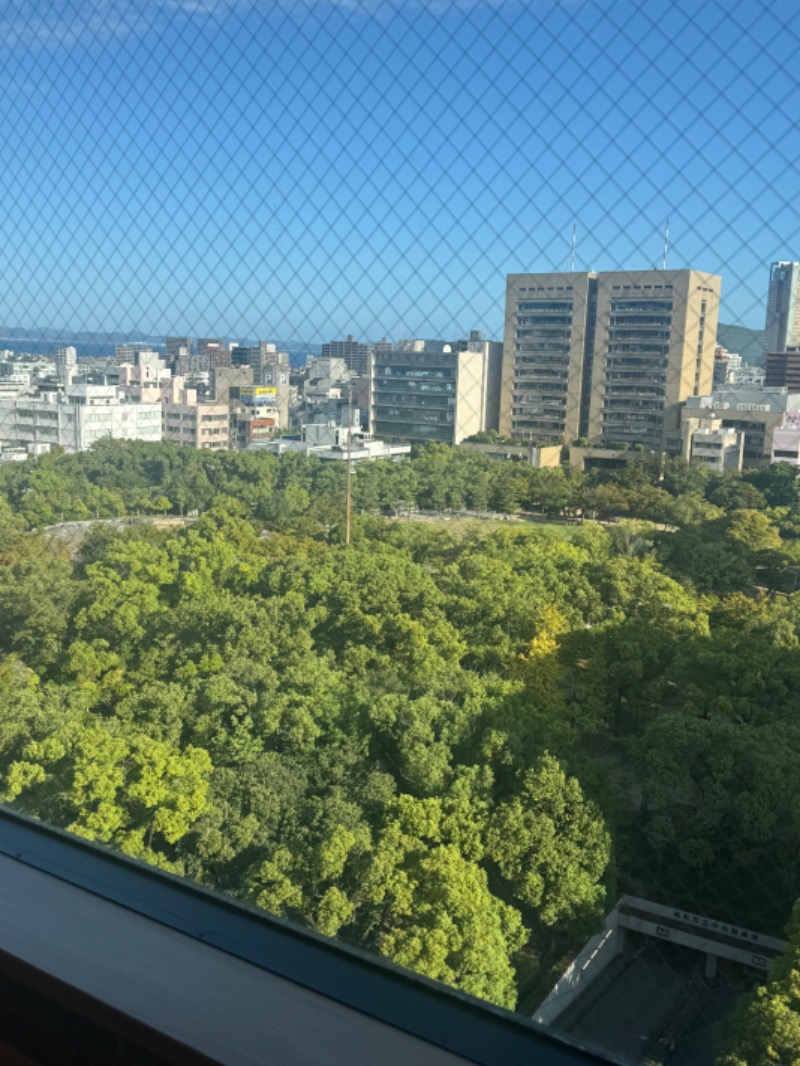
(460, 526)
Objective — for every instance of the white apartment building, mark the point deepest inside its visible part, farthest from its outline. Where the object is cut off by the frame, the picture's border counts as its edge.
(66, 363)
(786, 441)
(192, 423)
(708, 442)
(143, 383)
(329, 442)
(76, 418)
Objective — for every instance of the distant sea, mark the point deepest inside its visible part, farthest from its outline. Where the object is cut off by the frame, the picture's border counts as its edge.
(45, 342)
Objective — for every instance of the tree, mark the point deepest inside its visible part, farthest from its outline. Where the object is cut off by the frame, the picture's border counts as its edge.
(37, 599)
(764, 1028)
(605, 501)
(423, 905)
(551, 845)
(139, 794)
(719, 808)
(732, 493)
(779, 484)
(161, 504)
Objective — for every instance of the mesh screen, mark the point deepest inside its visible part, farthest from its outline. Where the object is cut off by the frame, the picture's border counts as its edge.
(299, 172)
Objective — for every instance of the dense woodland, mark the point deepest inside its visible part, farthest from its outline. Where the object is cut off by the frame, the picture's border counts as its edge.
(455, 749)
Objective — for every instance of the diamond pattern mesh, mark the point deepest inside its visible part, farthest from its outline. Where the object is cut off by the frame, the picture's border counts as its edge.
(298, 171)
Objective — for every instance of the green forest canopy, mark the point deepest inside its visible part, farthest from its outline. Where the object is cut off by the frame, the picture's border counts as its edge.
(454, 751)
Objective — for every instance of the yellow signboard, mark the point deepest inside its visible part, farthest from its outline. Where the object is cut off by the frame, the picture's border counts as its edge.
(259, 390)
(253, 395)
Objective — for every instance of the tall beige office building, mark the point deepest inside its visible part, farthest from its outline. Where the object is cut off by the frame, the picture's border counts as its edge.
(607, 356)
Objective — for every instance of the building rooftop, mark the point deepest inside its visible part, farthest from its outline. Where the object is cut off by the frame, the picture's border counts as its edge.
(733, 397)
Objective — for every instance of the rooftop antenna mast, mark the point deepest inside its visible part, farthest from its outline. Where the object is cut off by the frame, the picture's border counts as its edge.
(574, 243)
(666, 244)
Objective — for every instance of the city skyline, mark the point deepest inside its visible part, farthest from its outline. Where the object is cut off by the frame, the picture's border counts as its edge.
(321, 169)
(54, 336)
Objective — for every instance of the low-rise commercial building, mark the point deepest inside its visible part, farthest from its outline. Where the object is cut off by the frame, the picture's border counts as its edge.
(329, 441)
(78, 417)
(708, 442)
(786, 441)
(257, 414)
(193, 423)
(755, 412)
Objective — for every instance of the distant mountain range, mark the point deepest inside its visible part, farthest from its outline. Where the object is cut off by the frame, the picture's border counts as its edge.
(749, 343)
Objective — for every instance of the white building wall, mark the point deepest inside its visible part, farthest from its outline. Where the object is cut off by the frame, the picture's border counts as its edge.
(76, 426)
(596, 955)
(786, 445)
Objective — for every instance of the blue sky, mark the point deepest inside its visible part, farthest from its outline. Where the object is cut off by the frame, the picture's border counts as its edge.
(306, 169)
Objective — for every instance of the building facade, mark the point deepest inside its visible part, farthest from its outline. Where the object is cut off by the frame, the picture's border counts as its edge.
(547, 353)
(223, 379)
(711, 444)
(178, 353)
(654, 344)
(782, 325)
(782, 369)
(786, 441)
(755, 412)
(430, 391)
(78, 417)
(354, 353)
(193, 423)
(128, 352)
(66, 363)
(607, 356)
(211, 353)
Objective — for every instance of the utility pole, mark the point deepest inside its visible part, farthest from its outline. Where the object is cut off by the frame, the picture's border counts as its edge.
(348, 497)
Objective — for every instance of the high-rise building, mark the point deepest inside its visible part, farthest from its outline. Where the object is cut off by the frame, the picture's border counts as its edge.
(782, 369)
(654, 342)
(212, 353)
(355, 354)
(782, 326)
(431, 390)
(258, 355)
(606, 356)
(178, 354)
(128, 352)
(66, 360)
(547, 345)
